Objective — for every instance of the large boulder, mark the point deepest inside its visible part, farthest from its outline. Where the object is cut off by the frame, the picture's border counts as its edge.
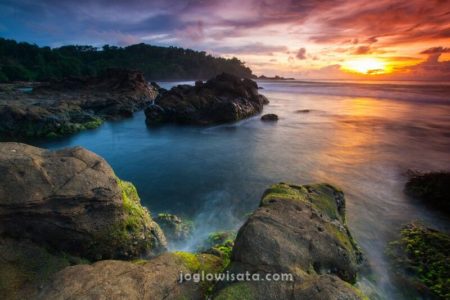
(225, 98)
(73, 104)
(156, 279)
(70, 200)
(297, 230)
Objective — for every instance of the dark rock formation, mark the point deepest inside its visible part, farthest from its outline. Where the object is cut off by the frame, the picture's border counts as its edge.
(70, 200)
(298, 230)
(421, 260)
(269, 118)
(175, 229)
(73, 104)
(433, 188)
(225, 98)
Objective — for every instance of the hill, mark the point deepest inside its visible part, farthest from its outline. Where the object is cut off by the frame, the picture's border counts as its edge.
(29, 62)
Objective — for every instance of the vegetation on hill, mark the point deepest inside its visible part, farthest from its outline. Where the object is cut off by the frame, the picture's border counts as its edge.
(28, 62)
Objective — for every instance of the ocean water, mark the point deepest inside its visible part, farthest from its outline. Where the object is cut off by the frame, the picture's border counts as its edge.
(362, 137)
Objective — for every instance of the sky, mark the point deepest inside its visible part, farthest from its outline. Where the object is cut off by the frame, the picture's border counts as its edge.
(332, 39)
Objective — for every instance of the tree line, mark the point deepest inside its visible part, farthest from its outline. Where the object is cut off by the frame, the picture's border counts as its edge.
(21, 61)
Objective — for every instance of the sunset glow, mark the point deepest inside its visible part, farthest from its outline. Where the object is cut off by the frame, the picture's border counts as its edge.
(368, 66)
(386, 39)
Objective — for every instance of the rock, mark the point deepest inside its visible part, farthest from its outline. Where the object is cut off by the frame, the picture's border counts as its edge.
(175, 229)
(303, 111)
(269, 118)
(433, 188)
(70, 200)
(421, 260)
(225, 98)
(73, 104)
(158, 278)
(110, 279)
(298, 230)
(220, 244)
(24, 267)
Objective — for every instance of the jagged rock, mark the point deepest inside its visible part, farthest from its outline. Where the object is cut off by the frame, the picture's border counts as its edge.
(298, 230)
(225, 98)
(73, 104)
(70, 200)
(269, 118)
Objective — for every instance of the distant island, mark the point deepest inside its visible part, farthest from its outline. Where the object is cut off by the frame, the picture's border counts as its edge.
(276, 77)
(21, 61)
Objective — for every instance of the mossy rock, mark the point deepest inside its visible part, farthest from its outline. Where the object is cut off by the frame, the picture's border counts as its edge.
(202, 263)
(324, 197)
(241, 290)
(24, 266)
(421, 259)
(134, 234)
(220, 243)
(177, 230)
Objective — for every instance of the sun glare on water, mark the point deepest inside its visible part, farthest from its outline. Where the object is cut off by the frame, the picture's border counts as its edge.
(368, 66)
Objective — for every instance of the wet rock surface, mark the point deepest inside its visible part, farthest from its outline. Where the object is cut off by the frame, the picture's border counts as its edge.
(225, 98)
(298, 230)
(269, 118)
(73, 104)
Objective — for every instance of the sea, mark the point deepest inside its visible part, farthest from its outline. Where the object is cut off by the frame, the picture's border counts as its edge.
(360, 136)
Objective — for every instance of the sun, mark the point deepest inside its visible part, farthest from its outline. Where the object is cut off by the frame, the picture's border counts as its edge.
(367, 66)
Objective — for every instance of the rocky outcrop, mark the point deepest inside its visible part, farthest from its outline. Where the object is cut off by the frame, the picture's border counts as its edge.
(73, 104)
(175, 229)
(433, 188)
(269, 118)
(225, 98)
(155, 279)
(421, 260)
(70, 200)
(112, 279)
(298, 230)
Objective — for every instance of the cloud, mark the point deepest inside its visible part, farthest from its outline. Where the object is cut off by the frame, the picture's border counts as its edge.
(253, 48)
(436, 50)
(301, 54)
(362, 50)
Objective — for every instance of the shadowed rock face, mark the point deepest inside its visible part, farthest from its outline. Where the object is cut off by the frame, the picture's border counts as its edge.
(298, 230)
(74, 104)
(432, 188)
(70, 200)
(225, 98)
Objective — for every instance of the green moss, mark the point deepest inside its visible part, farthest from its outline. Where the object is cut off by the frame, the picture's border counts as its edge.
(423, 254)
(127, 234)
(322, 196)
(198, 263)
(189, 260)
(357, 291)
(24, 264)
(240, 290)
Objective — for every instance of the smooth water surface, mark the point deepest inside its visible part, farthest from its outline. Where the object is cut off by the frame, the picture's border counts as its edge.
(360, 137)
